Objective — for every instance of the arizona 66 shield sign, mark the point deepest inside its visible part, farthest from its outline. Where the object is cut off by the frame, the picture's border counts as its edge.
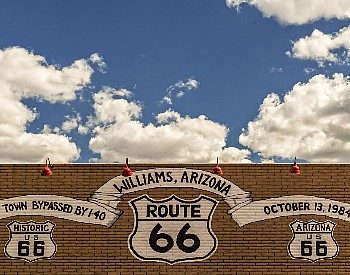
(172, 230)
(313, 240)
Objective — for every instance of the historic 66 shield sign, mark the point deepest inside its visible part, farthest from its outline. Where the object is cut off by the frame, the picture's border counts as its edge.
(313, 240)
(172, 230)
(30, 240)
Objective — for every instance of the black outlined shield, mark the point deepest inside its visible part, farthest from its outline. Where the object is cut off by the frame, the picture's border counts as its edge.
(313, 240)
(172, 230)
(30, 240)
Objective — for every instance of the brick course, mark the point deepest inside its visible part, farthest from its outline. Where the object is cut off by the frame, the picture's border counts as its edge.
(259, 247)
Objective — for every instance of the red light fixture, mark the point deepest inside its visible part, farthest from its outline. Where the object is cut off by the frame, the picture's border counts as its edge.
(47, 169)
(217, 169)
(127, 172)
(295, 168)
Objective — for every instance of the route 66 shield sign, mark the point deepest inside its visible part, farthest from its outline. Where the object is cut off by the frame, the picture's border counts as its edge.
(313, 240)
(172, 230)
(30, 240)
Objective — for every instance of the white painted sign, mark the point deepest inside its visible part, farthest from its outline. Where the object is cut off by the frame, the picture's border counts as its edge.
(30, 241)
(313, 240)
(172, 230)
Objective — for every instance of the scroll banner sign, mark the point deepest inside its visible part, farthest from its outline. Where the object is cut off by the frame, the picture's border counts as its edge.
(102, 207)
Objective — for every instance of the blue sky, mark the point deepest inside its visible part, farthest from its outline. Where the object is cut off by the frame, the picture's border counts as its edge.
(235, 55)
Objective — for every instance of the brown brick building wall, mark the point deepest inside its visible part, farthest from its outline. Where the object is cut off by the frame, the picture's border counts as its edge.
(257, 247)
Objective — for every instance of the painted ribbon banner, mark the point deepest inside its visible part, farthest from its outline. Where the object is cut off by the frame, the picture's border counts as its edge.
(110, 194)
(242, 209)
(101, 208)
(59, 207)
(288, 206)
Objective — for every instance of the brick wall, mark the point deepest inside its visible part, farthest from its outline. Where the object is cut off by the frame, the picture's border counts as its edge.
(258, 247)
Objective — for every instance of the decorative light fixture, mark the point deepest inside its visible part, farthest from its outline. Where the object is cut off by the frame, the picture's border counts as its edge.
(295, 168)
(127, 172)
(47, 171)
(217, 169)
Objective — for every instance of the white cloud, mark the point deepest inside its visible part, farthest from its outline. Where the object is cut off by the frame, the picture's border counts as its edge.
(98, 60)
(168, 116)
(298, 11)
(29, 147)
(83, 130)
(26, 75)
(180, 94)
(166, 100)
(48, 130)
(109, 110)
(267, 160)
(117, 92)
(93, 160)
(174, 139)
(179, 88)
(312, 122)
(71, 123)
(190, 84)
(309, 70)
(320, 47)
(30, 76)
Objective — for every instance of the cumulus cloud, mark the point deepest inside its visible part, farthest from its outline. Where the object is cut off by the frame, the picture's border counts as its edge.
(98, 60)
(167, 100)
(174, 138)
(267, 160)
(320, 47)
(48, 130)
(24, 74)
(180, 94)
(309, 70)
(298, 11)
(116, 92)
(29, 75)
(71, 123)
(109, 110)
(179, 88)
(311, 122)
(82, 129)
